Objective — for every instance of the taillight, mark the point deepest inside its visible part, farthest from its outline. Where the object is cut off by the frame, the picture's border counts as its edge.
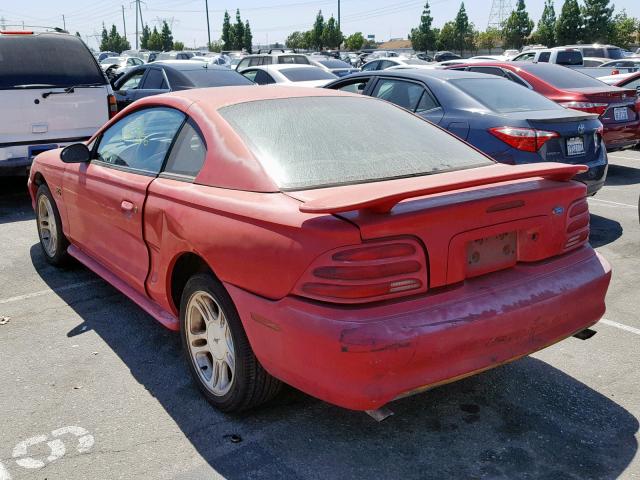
(589, 107)
(113, 105)
(615, 72)
(598, 136)
(526, 139)
(16, 32)
(366, 273)
(577, 224)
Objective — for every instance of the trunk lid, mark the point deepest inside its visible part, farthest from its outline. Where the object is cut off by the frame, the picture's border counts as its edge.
(470, 222)
(621, 103)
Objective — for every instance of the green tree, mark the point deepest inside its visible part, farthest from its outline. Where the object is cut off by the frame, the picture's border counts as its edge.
(155, 40)
(215, 46)
(248, 37)
(178, 46)
(295, 40)
(104, 39)
(597, 17)
(546, 32)
(569, 24)
(227, 37)
(518, 27)
(167, 37)
(462, 30)
(623, 30)
(144, 38)
(423, 38)
(238, 32)
(489, 39)
(112, 41)
(307, 38)
(447, 37)
(331, 36)
(317, 32)
(354, 41)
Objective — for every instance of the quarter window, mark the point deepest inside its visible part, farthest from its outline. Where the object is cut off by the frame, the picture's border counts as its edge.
(133, 81)
(404, 94)
(155, 80)
(188, 153)
(140, 141)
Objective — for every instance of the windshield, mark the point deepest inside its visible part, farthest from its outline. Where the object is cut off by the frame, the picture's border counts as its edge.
(215, 77)
(311, 142)
(306, 74)
(50, 60)
(111, 60)
(334, 64)
(504, 96)
(561, 77)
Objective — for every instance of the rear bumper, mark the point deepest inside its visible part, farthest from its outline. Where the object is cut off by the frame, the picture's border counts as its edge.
(361, 358)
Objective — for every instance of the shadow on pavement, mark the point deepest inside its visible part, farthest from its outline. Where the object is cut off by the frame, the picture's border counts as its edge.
(15, 203)
(603, 231)
(523, 420)
(622, 175)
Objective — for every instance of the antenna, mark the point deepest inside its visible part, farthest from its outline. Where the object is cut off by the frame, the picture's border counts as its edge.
(500, 12)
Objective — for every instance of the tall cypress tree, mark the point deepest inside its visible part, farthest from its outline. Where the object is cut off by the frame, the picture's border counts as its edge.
(317, 32)
(248, 37)
(569, 24)
(597, 16)
(238, 32)
(167, 37)
(227, 39)
(423, 38)
(546, 32)
(463, 31)
(518, 27)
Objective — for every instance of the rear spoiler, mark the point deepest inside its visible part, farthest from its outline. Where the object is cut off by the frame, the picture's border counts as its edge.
(381, 197)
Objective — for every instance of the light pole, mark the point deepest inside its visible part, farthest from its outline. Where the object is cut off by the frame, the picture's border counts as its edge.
(206, 4)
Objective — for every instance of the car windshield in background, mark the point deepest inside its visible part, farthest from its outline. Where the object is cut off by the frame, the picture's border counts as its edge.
(334, 64)
(504, 96)
(306, 74)
(415, 61)
(51, 60)
(111, 60)
(215, 77)
(561, 77)
(370, 140)
(570, 57)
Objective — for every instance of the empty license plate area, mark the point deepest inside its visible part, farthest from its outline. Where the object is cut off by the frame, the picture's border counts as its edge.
(620, 114)
(491, 254)
(575, 146)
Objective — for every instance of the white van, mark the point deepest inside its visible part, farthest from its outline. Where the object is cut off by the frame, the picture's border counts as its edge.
(52, 93)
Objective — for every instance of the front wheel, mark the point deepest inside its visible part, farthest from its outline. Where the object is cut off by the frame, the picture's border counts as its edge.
(52, 240)
(218, 352)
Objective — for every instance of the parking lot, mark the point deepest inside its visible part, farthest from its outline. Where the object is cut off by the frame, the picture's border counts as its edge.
(92, 387)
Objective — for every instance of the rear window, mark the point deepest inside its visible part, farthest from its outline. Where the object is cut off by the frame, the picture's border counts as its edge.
(415, 61)
(593, 52)
(573, 57)
(615, 53)
(334, 64)
(311, 142)
(306, 74)
(209, 77)
(504, 96)
(561, 77)
(297, 59)
(48, 60)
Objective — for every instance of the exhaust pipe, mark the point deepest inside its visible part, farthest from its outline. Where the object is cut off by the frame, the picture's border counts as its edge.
(585, 334)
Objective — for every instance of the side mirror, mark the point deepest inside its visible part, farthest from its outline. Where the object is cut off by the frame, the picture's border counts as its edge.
(75, 153)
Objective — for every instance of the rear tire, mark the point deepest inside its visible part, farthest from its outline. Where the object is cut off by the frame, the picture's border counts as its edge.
(52, 240)
(217, 350)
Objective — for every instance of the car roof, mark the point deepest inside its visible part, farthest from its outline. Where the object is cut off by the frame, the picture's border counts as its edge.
(421, 74)
(185, 65)
(280, 66)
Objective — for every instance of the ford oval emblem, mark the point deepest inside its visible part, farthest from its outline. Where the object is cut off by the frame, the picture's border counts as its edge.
(581, 128)
(558, 211)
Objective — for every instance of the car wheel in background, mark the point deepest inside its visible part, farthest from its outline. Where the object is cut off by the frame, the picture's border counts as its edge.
(218, 352)
(52, 240)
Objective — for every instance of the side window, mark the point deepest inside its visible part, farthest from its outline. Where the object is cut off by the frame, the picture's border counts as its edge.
(263, 78)
(488, 70)
(266, 61)
(243, 64)
(634, 84)
(544, 57)
(133, 81)
(404, 94)
(254, 61)
(427, 102)
(188, 153)
(140, 141)
(357, 86)
(155, 80)
(515, 78)
(371, 66)
(384, 64)
(525, 57)
(250, 74)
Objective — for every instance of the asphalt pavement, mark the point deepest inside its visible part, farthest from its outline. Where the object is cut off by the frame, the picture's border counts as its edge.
(93, 388)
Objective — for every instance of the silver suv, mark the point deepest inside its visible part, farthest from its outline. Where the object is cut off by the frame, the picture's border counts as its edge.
(272, 59)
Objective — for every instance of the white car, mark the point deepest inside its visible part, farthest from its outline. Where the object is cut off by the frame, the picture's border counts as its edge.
(53, 93)
(332, 65)
(389, 62)
(289, 74)
(115, 67)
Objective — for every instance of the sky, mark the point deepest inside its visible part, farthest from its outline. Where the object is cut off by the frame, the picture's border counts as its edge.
(270, 21)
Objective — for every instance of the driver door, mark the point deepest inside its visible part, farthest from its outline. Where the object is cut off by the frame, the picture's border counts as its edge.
(105, 198)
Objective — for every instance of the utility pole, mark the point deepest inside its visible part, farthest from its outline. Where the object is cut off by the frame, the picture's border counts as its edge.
(64, 24)
(206, 5)
(124, 23)
(137, 7)
(339, 16)
(140, 10)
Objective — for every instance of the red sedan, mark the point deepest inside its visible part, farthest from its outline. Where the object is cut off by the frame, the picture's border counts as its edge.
(331, 241)
(617, 108)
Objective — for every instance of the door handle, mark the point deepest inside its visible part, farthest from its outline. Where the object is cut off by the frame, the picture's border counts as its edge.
(128, 207)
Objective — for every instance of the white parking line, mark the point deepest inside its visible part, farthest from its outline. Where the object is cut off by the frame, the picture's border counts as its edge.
(621, 326)
(47, 292)
(617, 204)
(622, 156)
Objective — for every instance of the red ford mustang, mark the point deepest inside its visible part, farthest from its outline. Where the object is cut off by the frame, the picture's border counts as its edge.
(330, 241)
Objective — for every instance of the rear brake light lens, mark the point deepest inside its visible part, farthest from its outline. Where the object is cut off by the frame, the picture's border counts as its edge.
(589, 107)
(525, 139)
(577, 224)
(367, 273)
(15, 32)
(113, 105)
